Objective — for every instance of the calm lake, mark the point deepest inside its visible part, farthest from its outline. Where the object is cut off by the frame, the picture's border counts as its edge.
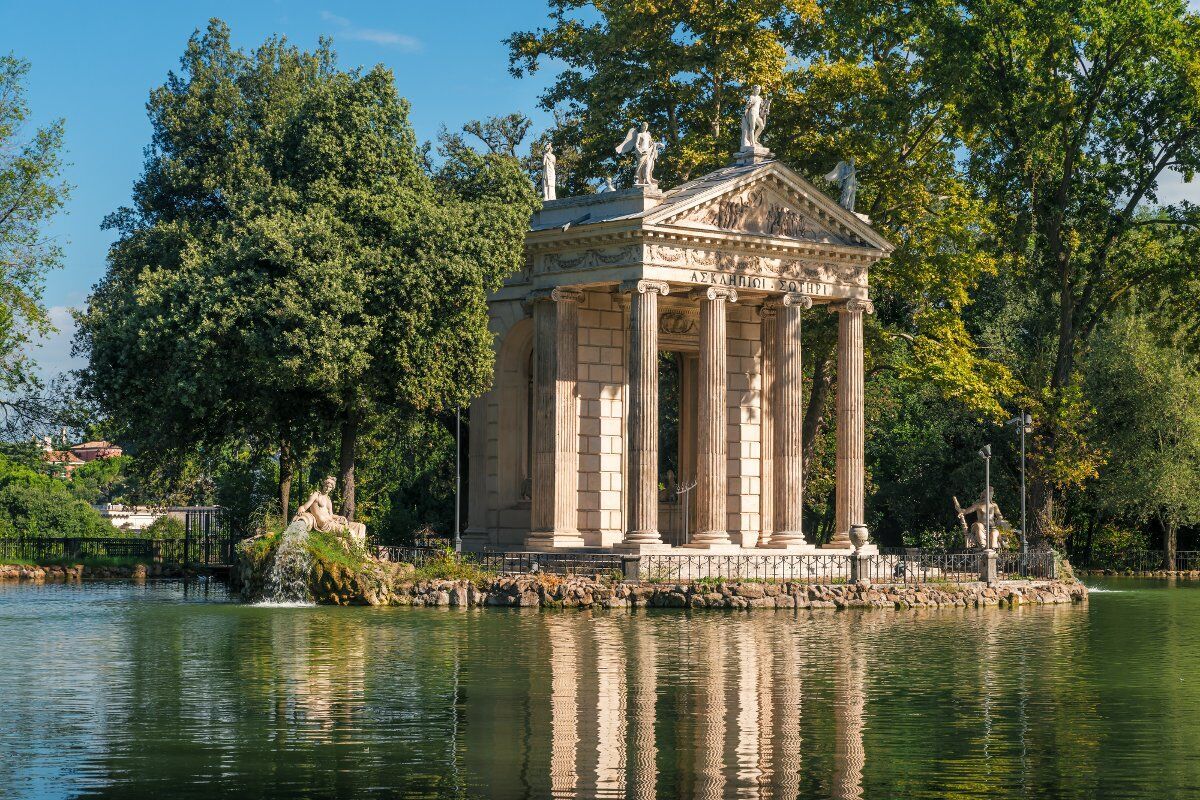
(165, 691)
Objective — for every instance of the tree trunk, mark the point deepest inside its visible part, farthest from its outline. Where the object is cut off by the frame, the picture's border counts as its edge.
(346, 462)
(1169, 533)
(814, 412)
(287, 470)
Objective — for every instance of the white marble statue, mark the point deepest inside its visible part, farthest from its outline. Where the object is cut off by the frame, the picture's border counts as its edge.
(642, 143)
(754, 118)
(846, 176)
(976, 532)
(317, 515)
(549, 174)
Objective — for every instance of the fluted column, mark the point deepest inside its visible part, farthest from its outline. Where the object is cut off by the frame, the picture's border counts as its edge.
(475, 537)
(554, 512)
(851, 426)
(642, 470)
(788, 423)
(712, 423)
(768, 314)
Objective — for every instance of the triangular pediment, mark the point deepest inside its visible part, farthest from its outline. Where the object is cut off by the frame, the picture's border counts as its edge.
(768, 200)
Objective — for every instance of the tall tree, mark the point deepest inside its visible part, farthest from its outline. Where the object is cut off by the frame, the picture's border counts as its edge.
(1146, 389)
(1075, 110)
(291, 266)
(31, 192)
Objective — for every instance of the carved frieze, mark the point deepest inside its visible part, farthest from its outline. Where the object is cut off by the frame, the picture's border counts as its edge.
(721, 261)
(676, 323)
(757, 211)
(591, 258)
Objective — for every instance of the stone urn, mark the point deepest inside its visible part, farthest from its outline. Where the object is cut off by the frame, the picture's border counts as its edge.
(858, 536)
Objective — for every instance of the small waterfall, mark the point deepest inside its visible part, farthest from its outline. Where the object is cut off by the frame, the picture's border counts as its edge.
(286, 581)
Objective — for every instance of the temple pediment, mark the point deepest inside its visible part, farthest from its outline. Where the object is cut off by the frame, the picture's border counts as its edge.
(767, 200)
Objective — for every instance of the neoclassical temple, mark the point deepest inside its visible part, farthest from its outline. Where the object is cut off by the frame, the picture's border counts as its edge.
(703, 290)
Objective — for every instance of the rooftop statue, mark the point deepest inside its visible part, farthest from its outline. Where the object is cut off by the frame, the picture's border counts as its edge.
(846, 176)
(317, 515)
(754, 118)
(549, 173)
(642, 143)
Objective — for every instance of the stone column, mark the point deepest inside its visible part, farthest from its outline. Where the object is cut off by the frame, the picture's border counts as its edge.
(768, 314)
(712, 420)
(788, 421)
(554, 512)
(475, 537)
(851, 428)
(641, 475)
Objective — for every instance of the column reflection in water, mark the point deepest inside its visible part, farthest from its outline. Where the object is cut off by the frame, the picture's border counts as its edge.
(749, 722)
(611, 725)
(711, 709)
(848, 705)
(783, 674)
(645, 705)
(564, 704)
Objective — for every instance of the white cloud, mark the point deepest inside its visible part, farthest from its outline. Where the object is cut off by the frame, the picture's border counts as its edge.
(348, 30)
(53, 352)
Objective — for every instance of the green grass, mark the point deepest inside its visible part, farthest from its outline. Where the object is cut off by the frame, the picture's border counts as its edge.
(447, 566)
(328, 548)
(97, 562)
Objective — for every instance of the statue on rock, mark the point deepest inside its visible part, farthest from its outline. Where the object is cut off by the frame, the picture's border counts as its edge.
(642, 143)
(549, 172)
(317, 515)
(845, 175)
(754, 118)
(976, 532)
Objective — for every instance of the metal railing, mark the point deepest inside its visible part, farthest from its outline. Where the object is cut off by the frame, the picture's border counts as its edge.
(1015, 565)
(212, 548)
(1144, 561)
(553, 563)
(913, 565)
(807, 568)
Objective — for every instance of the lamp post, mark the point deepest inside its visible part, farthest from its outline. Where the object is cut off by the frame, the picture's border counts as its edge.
(1025, 423)
(985, 453)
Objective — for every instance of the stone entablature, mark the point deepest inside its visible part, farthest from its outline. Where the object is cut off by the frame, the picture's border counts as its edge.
(721, 271)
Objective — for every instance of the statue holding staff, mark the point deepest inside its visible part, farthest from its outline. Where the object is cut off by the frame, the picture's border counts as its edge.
(549, 173)
(845, 175)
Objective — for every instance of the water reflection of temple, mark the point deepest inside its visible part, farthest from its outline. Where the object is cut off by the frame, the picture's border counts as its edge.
(730, 720)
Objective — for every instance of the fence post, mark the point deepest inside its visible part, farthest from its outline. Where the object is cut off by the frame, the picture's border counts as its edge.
(990, 571)
(71, 547)
(631, 566)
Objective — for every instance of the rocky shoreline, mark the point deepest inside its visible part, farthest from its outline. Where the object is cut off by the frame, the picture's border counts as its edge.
(80, 572)
(548, 591)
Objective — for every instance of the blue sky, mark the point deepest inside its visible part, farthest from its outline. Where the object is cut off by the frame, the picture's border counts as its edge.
(95, 63)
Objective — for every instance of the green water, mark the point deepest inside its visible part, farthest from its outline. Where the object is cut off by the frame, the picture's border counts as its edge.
(157, 691)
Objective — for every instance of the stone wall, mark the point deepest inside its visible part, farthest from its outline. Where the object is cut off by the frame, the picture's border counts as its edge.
(78, 572)
(548, 591)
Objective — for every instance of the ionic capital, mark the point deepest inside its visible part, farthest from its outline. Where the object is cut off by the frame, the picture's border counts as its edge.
(558, 295)
(796, 299)
(715, 293)
(643, 286)
(768, 310)
(854, 305)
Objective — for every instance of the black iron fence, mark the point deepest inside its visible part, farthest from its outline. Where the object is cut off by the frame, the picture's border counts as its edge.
(1143, 561)
(204, 545)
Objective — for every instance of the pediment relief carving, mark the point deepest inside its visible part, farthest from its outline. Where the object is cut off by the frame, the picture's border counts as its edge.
(723, 261)
(592, 257)
(756, 209)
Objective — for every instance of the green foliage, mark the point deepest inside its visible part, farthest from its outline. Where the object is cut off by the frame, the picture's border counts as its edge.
(31, 193)
(449, 566)
(102, 480)
(333, 548)
(33, 504)
(291, 268)
(165, 528)
(1147, 396)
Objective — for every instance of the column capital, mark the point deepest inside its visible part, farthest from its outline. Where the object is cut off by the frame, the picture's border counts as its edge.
(768, 310)
(643, 286)
(796, 299)
(558, 295)
(714, 293)
(853, 305)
